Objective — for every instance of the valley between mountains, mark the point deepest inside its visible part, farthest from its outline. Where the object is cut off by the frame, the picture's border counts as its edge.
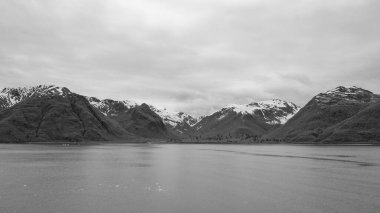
(48, 113)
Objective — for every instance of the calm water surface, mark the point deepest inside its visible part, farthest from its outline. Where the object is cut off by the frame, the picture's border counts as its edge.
(189, 178)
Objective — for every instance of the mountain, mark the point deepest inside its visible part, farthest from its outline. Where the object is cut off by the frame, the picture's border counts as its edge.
(174, 118)
(139, 119)
(324, 111)
(113, 108)
(125, 116)
(48, 113)
(142, 121)
(272, 112)
(179, 124)
(252, 119)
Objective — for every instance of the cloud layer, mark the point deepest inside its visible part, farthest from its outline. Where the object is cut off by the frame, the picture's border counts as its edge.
(191, 55)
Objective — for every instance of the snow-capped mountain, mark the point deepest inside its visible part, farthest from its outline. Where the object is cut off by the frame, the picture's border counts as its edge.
(12, 96)
(252, 119)
(51, 113)
(174, 118)
(346, 95)
(273, 111)
(178, 123)
(111, 107)
(346, 113)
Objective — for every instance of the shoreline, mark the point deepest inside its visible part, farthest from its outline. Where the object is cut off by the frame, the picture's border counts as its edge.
(118, 142)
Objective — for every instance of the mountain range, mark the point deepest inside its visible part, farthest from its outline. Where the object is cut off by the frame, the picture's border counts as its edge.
(48, 113)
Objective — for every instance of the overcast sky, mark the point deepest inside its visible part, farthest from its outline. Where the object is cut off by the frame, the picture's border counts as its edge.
(191, 55)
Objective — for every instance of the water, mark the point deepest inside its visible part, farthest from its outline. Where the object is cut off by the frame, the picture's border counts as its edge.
(189, 178)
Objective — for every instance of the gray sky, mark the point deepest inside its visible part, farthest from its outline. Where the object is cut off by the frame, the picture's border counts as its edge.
(193, 55)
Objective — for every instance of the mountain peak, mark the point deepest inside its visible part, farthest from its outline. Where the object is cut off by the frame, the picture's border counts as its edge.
(346, 95)
(347, 89)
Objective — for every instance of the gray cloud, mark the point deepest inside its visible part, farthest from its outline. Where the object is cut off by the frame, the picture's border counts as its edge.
(193, 56)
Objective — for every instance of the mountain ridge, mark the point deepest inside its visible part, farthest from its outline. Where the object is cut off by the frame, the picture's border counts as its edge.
(339, 114)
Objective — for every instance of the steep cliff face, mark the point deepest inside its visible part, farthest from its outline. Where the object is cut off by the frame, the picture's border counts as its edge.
(55, 117)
